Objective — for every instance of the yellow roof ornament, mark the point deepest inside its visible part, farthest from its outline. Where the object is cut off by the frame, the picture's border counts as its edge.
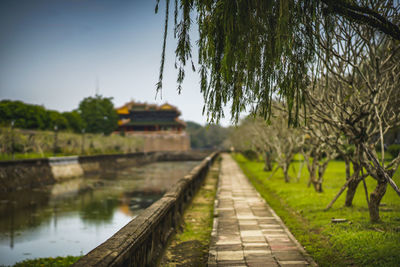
(166, 107)
(123, 110)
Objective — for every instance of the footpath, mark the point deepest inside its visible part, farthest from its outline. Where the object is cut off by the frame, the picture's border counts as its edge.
(246, 231)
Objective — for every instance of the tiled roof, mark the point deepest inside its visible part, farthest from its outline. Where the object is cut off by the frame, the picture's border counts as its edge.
(145, 106)
(143, 123)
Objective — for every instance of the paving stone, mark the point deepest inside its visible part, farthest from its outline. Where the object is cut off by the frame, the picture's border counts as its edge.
(261, 261)
(272, 230)
(257, 252)
(244, 217)
(248, 222)
(269, 226)
(289, 256)
(229, 239)
(267, 221)
(225, 209)
(228, 242)
(231, 263)
(230, 255)
(235, 247)
(274, 235)
(282, 247)
(251, 233)
(264, 247)
(261, 264)
(281, 240)
(245, 227)
(293, 263)
(253, 244)
(253, 238)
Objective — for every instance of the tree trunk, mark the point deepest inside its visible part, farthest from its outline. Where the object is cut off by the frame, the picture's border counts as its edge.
(321, 171)
(267, 162)
(318, 187)
(312, 179)
(312, 169)
(351, 191)
(375, 199)
(347, 162)
(353, 184)
(316, 183)
(286, 173)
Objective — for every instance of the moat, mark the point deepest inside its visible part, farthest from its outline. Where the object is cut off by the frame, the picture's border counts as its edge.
(73, 217)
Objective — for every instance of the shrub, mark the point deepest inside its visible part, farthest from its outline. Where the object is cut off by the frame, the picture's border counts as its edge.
(250, 154)
(394, 149)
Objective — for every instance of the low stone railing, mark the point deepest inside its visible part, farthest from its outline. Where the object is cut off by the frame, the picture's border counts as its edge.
(141, 241)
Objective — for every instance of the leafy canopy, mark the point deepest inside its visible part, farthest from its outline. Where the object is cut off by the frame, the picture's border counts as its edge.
(98, 114)
(29, 116)
(251, 51)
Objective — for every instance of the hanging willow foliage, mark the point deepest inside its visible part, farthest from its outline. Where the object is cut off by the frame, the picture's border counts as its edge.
(251, 51)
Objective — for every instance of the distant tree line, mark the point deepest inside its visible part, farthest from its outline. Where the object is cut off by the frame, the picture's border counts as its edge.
(207, 137)
(94, 115)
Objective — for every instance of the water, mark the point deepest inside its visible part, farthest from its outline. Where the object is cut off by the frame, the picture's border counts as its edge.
(73, 217)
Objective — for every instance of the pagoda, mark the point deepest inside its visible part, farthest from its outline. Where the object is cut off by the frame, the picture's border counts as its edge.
(135, 117)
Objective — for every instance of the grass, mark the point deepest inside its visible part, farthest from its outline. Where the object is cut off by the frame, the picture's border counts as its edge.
(189, 247)
(31, 155)
(53, 262)
(357, 242)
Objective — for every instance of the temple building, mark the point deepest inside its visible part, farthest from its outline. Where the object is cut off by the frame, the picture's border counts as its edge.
(138, 118)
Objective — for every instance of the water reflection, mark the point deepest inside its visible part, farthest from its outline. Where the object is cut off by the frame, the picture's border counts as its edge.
(73, 217)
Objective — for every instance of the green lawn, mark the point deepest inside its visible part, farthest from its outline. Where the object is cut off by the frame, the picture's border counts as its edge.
(27, 156)
(53, 262)
(357, 242)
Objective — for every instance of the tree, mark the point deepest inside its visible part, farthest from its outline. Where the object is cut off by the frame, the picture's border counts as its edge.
(284, 141)
(244, 139)
(210, 136)
(75, 122)
(26, 116)
(98, 114)
(250, 51)
(317, 155)
(55, 118)
(271, 138)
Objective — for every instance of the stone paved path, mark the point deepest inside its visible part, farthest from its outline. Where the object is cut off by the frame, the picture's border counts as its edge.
(246, 231)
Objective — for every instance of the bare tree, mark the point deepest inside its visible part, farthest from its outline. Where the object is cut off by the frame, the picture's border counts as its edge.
(317, 155)
(328, 142)
(247, 136)
(285, 142)
(355, 91)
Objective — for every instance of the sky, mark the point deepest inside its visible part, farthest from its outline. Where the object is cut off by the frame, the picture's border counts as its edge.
(56, 52)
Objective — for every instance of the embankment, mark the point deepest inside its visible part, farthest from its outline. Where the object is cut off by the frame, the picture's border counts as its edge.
(33, 173)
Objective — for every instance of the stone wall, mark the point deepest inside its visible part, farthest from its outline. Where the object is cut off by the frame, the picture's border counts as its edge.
(141, 241)
(65, 167)
(164, 141)
(21, 174)
(32, 173)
